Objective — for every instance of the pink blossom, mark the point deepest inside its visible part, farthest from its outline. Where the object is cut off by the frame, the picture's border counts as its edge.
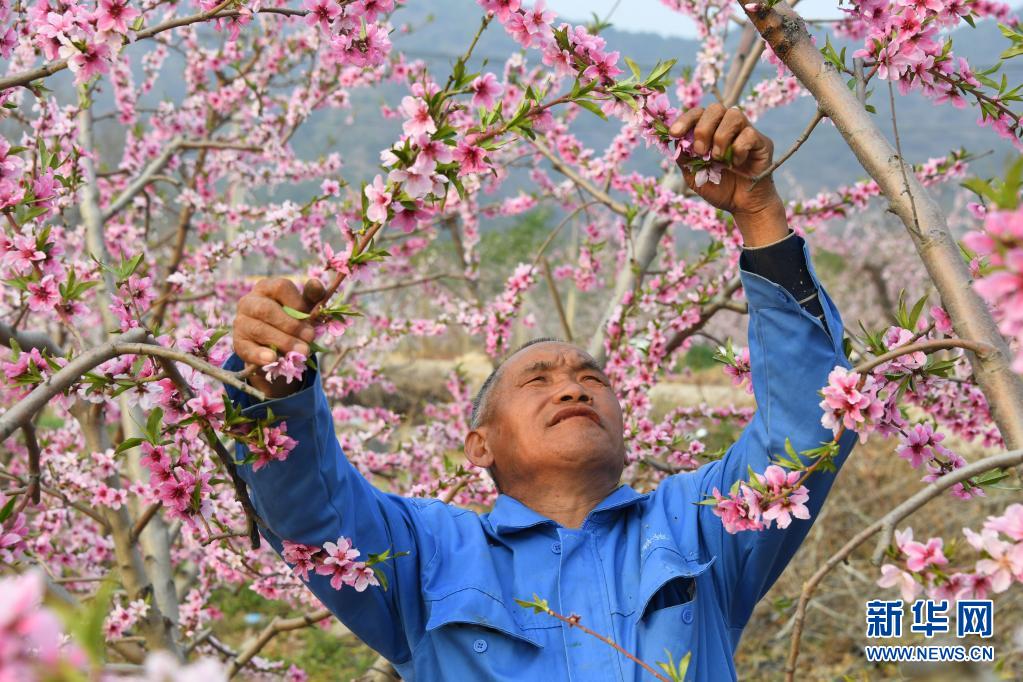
(379, 200)
(920, 556)
(740, 371)
(501, 8)
(321, 12)
(302, 558)
(12, 538)
(43, 295)
(417, 116)
(417, 180)
(921, 444)
(338, 563)
(893, 576)
(602, 67)
(485, 90)
(789, 501)
(90, 61)
(115, 15)
(847, 404)
(277, 445)
(895, 337)
(740, 510)
(1005, 562)
(471, 159)
(291, 367)
(1010, 522)
(942, 322)
(22, 254)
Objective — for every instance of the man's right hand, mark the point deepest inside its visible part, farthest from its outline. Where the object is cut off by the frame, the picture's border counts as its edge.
(261, 326)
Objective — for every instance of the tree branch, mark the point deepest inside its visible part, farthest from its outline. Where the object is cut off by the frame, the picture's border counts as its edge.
(573, 175)
(721, 302)
(126, 344)
(29, 340)
(786, 32)
(557, 299)
(887, 523)
(641, 254)
(150, 173)
(276, 626)
(803, 137)
(981, 349)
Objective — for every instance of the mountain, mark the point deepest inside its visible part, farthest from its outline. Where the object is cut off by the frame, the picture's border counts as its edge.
(443, 29)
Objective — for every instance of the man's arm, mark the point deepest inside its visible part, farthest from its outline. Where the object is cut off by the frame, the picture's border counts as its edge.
(795, 340)
(792, 352)
(316, 495)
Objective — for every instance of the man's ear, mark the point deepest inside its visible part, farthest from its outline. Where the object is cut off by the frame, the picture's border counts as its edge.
(476, 450)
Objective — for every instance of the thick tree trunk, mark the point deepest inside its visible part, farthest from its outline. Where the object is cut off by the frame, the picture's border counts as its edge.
(786, 33)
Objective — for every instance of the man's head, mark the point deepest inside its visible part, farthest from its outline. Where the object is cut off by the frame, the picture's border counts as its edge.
(546, 410)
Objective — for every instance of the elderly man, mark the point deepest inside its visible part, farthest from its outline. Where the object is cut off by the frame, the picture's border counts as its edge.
(655, 572)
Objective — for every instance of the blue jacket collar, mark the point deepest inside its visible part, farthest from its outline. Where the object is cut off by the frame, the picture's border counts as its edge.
(509, 515)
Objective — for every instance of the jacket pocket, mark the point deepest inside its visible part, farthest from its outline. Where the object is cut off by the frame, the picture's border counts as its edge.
(473, 607)
(670, 598)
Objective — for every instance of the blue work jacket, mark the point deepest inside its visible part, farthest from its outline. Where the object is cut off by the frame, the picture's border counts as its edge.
(654, 571)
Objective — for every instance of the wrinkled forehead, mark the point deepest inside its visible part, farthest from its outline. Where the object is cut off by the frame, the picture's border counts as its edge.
(548, 355)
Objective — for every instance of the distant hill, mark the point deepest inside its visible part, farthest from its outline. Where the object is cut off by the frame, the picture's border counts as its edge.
(926, 129)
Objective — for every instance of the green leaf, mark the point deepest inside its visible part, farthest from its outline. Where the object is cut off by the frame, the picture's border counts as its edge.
(297, 314)
(153, 424)
(128, 444)
(592, 107)
(914, 315)
(8, 509)
(659, 71)
(538, 605)
(85, 623)
(637, 74)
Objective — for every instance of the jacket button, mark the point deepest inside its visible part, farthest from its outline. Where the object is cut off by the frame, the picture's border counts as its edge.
(687, 615)
(479, 646)
(556, 548)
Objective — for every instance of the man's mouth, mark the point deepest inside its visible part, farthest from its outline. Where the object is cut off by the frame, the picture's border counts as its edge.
(571, 412)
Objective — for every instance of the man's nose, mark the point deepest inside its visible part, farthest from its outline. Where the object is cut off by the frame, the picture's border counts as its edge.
(573, 390)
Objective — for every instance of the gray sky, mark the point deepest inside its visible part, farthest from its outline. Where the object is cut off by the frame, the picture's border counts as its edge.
(651, 15)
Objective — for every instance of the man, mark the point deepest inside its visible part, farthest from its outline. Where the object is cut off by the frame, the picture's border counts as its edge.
(655, 572)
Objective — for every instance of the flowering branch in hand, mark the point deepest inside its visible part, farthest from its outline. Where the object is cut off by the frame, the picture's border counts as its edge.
(539, 605)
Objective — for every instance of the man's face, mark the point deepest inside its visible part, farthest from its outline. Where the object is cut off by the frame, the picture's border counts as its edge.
(551, 409)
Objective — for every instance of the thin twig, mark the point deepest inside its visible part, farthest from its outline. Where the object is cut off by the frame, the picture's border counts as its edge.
(144, 519)
(902, 161)
(557, 299)
(33, 461)
(573, 175)
(981, 349)
(275, 627)
(803, 137)
(573, 621)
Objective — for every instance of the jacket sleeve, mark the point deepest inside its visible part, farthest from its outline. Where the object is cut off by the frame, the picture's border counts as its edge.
(792, 351)
(316, 495)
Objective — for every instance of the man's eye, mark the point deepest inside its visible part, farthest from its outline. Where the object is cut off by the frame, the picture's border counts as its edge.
(597, 378)
(534, 379)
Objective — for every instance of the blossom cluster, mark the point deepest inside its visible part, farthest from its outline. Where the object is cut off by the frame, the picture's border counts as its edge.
(1001, 243)
(924, 567)
(776, 496)
(904, 41)
(338, 560)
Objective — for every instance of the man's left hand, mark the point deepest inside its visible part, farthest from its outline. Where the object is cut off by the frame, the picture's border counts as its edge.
(758, 210)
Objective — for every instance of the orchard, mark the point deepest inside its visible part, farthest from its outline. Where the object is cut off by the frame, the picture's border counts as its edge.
(133, 225)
